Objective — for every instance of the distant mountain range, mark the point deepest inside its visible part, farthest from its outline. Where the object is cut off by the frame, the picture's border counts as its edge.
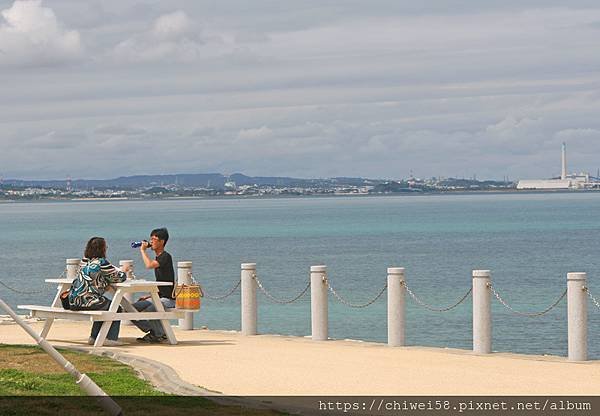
(208, 180)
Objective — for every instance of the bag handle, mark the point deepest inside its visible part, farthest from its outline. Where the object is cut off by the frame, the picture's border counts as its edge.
(176, 292)
(197, 284)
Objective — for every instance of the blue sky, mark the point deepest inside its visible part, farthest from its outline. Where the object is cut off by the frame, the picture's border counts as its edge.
(99, 89)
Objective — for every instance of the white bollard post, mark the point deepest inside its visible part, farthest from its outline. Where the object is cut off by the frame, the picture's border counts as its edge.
(318, 303)
(396, 307)
(128, 296)
(249, 309)
(72, 268)
(577, 316)
(184, 276)
(123, 263)
(482, 312)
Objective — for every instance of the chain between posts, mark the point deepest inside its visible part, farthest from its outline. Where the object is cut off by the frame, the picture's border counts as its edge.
(431, 308)
(354, 305)
(274, 299)
(531, 315)
(22, 292)
(31, 292)
(592, 297)
(229, 293)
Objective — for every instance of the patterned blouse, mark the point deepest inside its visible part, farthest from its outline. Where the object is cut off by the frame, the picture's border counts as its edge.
(91, 282)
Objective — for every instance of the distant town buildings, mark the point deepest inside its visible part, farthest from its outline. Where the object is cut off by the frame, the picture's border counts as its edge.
(331, 186)
(217, 185)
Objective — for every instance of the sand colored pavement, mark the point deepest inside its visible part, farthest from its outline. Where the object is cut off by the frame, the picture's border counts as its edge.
(233, 364)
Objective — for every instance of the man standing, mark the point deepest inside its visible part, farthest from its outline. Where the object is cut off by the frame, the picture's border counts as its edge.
(163, 271)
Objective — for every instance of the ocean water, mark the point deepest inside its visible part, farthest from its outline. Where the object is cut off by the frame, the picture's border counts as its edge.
(528, 241)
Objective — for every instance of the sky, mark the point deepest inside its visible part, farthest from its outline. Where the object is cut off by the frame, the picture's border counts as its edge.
(314, 88)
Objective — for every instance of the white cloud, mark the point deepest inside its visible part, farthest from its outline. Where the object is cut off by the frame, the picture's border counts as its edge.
(119, 130)
(30, 34)
(172, 26)
(173, 37)
(253, 134)
(579, 134)
(312, 88)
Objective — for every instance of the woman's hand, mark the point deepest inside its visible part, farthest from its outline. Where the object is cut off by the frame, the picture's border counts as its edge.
(126, 268)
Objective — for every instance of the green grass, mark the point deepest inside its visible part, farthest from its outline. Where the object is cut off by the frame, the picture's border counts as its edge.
(26, 370)
(119, 382)
(32, 384)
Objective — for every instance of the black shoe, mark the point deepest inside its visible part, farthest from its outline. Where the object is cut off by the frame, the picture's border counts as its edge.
(150, 338)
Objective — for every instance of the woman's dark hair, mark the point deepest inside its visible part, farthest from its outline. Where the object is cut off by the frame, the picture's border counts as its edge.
(95, 248)
(161, 234)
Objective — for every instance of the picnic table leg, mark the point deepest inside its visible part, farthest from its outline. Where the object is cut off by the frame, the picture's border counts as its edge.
(56, 303)
(114, 306)
(47, 325)
(127, 305)
(165, 322)
(102, 334)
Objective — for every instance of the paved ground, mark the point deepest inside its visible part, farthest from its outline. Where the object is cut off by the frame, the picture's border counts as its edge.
(226, 362)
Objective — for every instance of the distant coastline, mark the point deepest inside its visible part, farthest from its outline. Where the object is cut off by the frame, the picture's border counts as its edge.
(289, 196)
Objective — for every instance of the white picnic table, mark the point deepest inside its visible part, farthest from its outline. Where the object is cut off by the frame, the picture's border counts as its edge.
(129, 286)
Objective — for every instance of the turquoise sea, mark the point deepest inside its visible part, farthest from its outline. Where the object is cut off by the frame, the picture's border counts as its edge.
(529, 241)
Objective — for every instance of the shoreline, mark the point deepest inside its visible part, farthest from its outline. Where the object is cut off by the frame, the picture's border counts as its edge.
(229, 363)
(349, 195)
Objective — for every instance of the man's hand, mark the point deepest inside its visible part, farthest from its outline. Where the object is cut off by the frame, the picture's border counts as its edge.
(149, 263)
(144, 298)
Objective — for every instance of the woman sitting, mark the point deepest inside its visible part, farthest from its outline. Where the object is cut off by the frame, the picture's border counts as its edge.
(87, 290)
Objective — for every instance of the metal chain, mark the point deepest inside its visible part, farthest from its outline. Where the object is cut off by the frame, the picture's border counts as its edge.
(592, 297)
(531, 315)
(431, 308)
(354, 305)
(30, 292)
(281, 302)
(22, 292)
(225, 295)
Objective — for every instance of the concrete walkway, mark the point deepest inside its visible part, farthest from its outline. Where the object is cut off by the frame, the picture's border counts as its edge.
(228, 363)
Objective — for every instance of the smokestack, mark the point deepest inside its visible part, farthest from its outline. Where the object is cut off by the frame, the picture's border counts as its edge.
(563, 174)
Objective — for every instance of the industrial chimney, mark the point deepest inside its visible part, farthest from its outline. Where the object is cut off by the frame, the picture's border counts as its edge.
(563, 174)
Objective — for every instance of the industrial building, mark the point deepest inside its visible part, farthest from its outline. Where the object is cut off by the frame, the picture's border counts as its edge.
(566, 181)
